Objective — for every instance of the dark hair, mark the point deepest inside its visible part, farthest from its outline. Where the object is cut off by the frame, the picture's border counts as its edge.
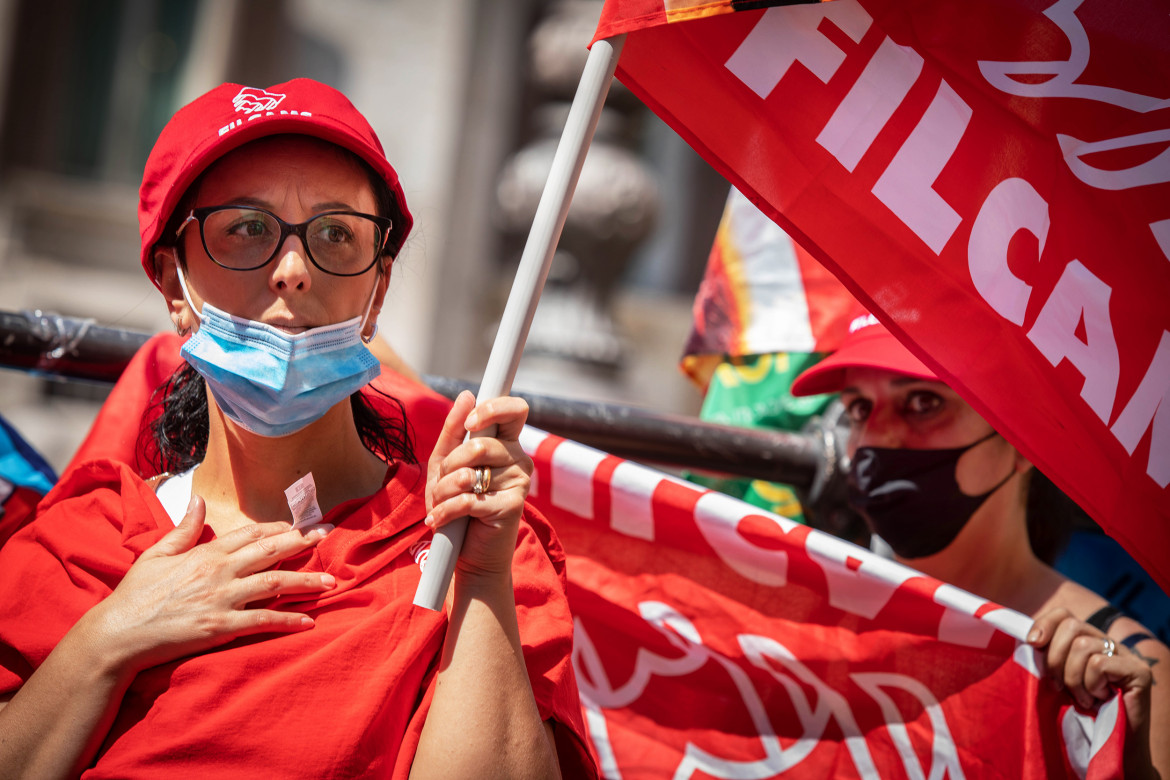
(1051, 516)
(174, 439)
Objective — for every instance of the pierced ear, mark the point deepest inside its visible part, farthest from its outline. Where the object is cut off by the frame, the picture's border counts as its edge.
(165, 259)
(379, 297)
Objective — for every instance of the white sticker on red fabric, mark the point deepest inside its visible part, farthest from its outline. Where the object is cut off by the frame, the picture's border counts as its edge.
(302, 501)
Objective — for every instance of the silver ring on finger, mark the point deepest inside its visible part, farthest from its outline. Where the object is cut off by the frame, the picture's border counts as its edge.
(483, 480)
(1110, 647)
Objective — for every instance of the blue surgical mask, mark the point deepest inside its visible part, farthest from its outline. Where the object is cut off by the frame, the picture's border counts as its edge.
(274, 383)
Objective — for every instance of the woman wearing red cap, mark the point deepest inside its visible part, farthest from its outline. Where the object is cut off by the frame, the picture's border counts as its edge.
(936, 482)
(248, 610)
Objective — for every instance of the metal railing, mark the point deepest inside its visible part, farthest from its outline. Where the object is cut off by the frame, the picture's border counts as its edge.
(812, 462)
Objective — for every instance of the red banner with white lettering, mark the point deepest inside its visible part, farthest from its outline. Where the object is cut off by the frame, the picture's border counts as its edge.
(714, 640)
(991, 179)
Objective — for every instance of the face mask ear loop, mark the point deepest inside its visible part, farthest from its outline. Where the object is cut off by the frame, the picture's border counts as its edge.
(186, 294)
(366, 315)
(1010, 474)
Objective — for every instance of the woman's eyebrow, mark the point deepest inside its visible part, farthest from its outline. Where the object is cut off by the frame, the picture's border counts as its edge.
(333, 205)
(248, 201)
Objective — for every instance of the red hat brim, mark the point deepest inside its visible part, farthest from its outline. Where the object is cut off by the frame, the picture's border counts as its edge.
(871, 346)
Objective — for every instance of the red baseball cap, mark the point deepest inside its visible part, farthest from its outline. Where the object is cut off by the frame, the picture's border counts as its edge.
(232, 115)
(868, 345)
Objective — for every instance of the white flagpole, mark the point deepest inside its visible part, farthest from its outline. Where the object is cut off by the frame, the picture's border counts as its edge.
(529, 282)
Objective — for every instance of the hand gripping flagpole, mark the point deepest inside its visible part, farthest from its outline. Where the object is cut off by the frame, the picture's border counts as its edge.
(528, 284)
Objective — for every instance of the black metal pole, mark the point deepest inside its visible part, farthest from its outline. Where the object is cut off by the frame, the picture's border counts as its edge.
(67, 347)
(675, 440)
(71, 348)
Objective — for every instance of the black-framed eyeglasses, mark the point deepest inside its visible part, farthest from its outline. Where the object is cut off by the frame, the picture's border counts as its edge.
(244, 238)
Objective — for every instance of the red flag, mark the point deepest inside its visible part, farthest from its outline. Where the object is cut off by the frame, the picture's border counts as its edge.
(717, 641)
(991, 179)
(762, 293)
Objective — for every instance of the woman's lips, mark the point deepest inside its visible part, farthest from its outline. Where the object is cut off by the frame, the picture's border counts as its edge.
(288, 327)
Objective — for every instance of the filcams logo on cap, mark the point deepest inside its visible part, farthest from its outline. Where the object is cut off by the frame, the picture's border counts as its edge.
(255, 103)
(250, 100)
(864, 321)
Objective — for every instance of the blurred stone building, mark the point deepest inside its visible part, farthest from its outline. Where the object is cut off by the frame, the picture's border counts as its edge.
(468, 97)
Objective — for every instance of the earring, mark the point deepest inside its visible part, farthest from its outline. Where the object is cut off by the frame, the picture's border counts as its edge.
(374, 332)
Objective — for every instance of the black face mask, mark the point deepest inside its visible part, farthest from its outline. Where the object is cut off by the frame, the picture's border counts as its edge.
(911, 499)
